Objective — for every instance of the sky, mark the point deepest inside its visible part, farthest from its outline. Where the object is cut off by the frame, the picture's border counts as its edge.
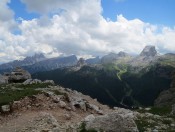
(86, 28)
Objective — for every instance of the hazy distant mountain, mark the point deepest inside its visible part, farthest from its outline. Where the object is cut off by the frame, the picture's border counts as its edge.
(113, 57)
(95, 60)
(52, 63)
(39, 62)
(25, 62)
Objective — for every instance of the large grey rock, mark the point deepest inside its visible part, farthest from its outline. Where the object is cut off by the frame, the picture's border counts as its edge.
(18, 75)
(89, 118)
(95, 108)
(112, 122)
(49, 81)
(5, 108)
(28, 81)
(35, 81)
(62, 104)
(79, 103)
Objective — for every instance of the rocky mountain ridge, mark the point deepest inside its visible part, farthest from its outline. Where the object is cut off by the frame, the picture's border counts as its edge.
(39, 62)
(30, 60)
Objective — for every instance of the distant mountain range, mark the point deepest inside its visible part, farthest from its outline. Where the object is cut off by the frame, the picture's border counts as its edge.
(39, 62)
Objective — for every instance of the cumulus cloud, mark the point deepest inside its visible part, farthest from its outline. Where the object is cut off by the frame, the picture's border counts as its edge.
(79, 29)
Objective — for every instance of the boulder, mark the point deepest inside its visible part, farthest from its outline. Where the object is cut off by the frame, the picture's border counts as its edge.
(95, 108)
(112, 122)
(18, 75)
(62, 104)
(28, 81)
(79, 103)
(5, 108)
(49, 81)
(89, 118)
(35, 81)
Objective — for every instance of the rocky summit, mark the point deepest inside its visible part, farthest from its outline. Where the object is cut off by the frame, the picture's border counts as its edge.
(149, 51)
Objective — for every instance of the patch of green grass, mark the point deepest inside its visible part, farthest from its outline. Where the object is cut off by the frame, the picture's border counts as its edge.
(9, 94)
(162, 111)
(36, 85)
(14, 95)
(120, 68)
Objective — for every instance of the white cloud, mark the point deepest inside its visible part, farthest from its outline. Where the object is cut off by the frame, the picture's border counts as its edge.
(79, 30)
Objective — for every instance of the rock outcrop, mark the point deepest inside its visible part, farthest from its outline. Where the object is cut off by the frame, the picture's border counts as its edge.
(5, 108)
(81, 62)
(35, 81)
(149, 51)
(18, 75)
(112, 122)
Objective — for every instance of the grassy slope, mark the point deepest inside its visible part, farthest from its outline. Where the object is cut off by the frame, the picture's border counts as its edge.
(14, 92)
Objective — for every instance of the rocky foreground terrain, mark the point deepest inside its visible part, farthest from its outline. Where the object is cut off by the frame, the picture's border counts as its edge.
(45, 107)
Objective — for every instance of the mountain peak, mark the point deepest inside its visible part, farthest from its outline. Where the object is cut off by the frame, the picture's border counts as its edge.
(81, 62)
(39, 55)
(122, 54)
(149, 51)
(35, 58)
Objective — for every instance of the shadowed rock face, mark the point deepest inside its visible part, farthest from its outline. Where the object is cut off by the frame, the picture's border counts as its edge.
(167, 97)
(81, 62)
(149, 51)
